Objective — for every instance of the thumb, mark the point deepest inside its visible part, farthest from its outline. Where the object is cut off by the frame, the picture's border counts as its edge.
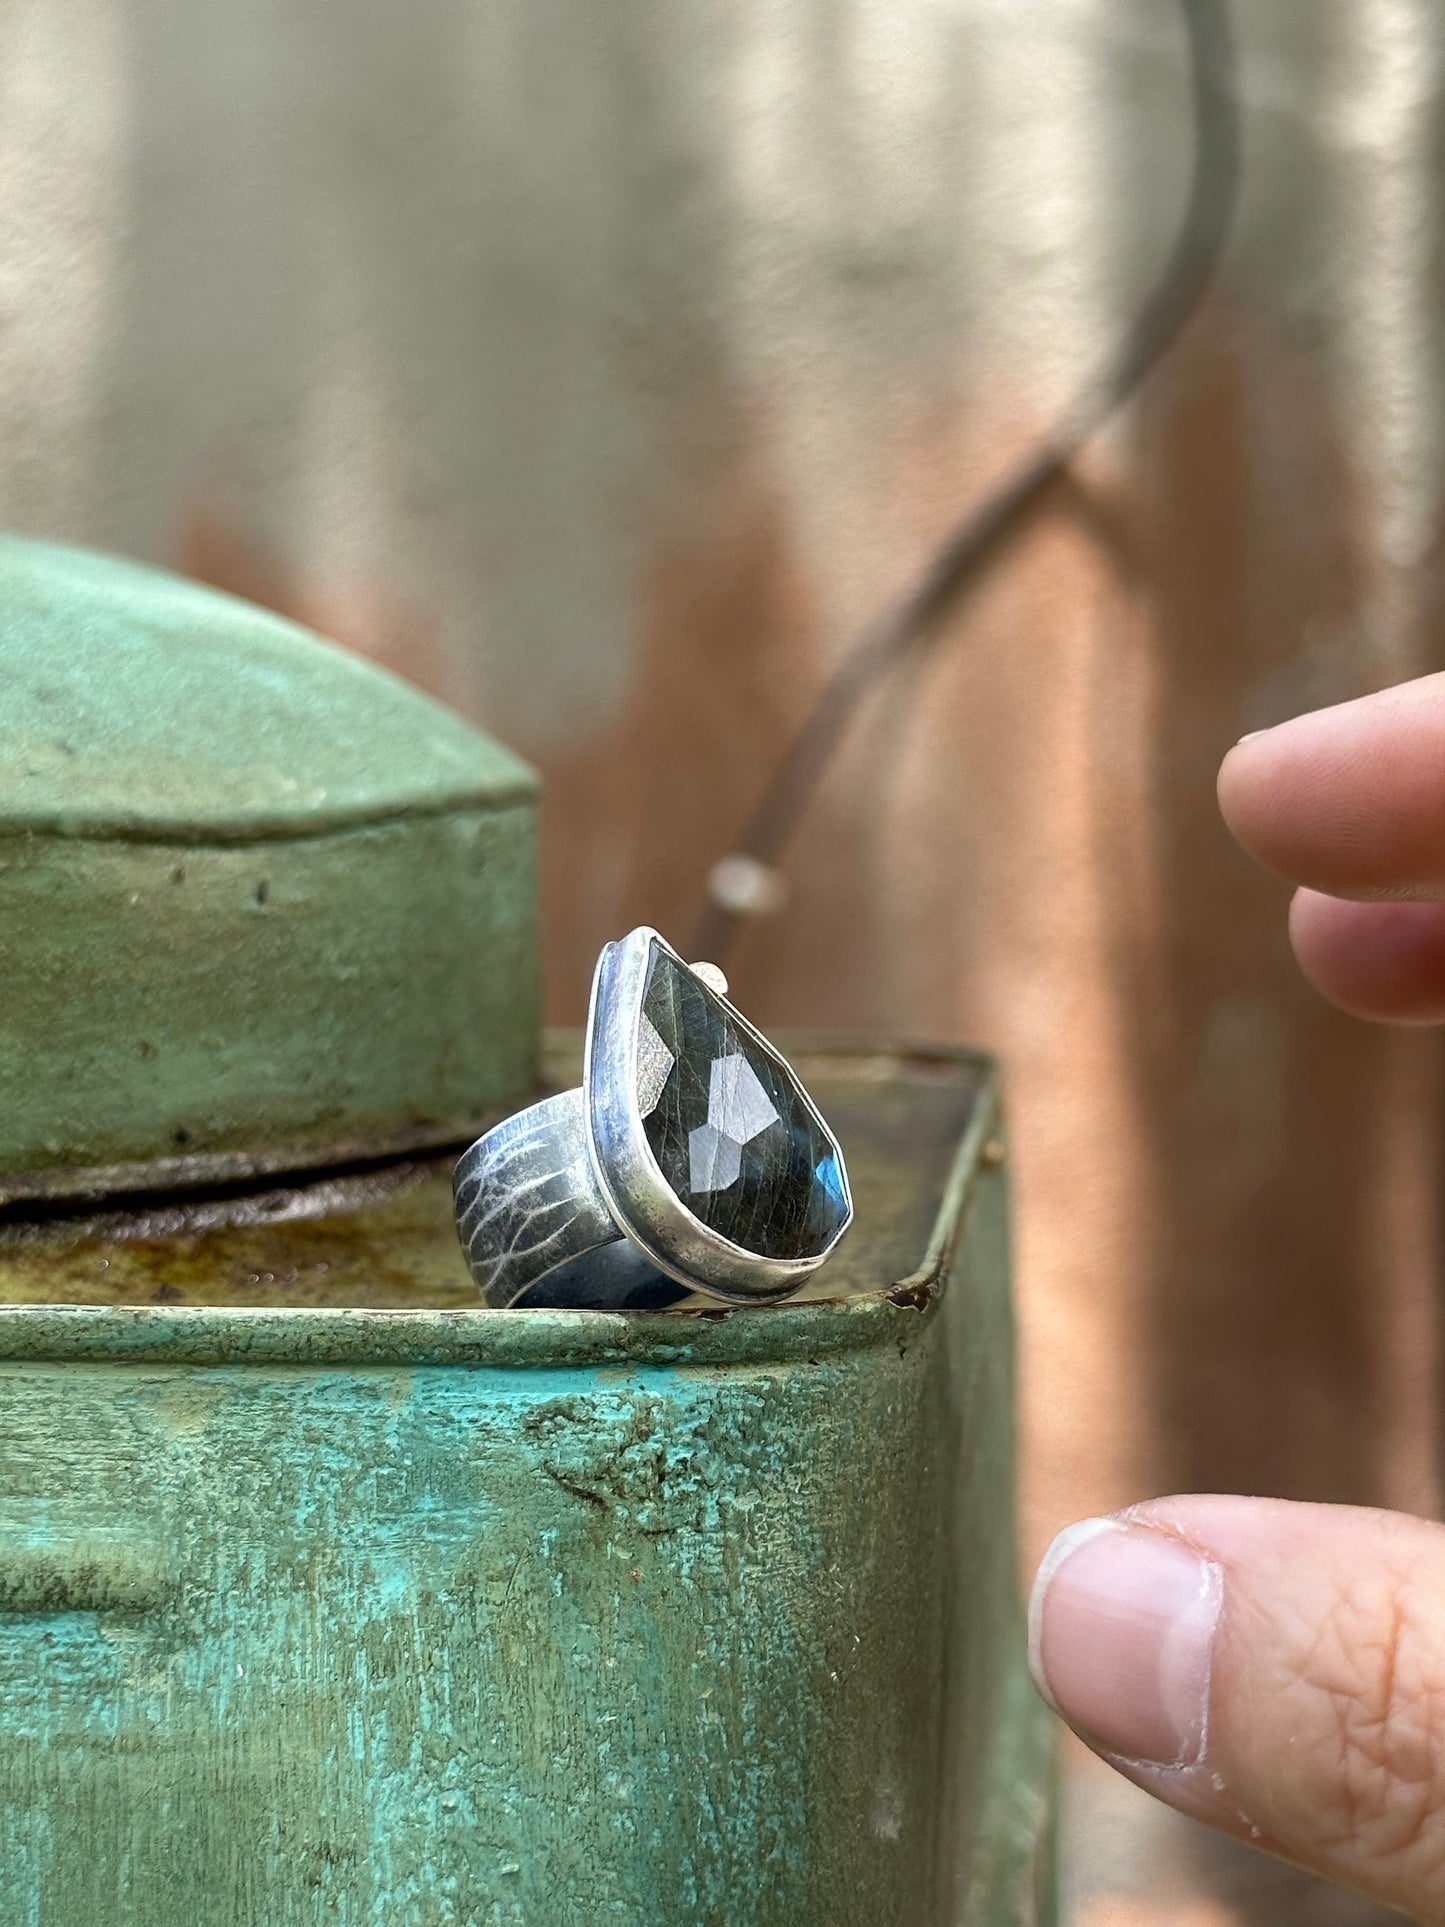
(1276, 1670)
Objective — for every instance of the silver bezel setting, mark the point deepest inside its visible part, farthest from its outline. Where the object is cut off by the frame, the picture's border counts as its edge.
(644, 1204)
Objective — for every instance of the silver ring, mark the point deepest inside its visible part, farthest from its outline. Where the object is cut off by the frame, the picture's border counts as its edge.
(690, 1150)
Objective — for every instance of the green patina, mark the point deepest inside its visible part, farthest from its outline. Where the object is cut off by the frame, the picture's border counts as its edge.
(326, 1595)
(260, 904)
(138, 704)
(420, 1616)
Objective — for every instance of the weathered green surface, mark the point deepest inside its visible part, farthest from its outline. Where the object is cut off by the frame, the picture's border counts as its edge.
(385, 1238)
(260, 904)
(430, 1616)
(326, 1596)
(140, 704)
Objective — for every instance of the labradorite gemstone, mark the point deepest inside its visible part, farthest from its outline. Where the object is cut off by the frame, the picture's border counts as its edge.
(728, 1124)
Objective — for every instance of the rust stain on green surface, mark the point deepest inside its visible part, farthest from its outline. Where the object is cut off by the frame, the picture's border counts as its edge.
(326, 1595)
(427, 1616)
(384, 1237)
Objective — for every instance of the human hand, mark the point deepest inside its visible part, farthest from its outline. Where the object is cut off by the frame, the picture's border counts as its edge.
(1276, 1669)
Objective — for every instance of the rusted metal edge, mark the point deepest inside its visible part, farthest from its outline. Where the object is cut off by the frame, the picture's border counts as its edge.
(980, 1149)
(481, 1340)
(690, 1337)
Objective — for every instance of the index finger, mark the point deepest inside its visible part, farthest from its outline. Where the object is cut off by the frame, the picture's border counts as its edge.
(1348, 800)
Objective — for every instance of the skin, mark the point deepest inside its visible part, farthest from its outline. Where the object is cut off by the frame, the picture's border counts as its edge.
(1326, 1695)
(1349, 804)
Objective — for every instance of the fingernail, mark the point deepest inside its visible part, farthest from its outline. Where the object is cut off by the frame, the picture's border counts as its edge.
(1121, 1639)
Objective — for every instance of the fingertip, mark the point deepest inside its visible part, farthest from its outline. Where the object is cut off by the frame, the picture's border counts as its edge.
(1272, 1668)
(1234, 783)
(1062, 1547)
(1347, 799)
(1121, 1631)
(1384, 962)
(1254, 790)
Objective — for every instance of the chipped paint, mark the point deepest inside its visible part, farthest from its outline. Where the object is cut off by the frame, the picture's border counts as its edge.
(426, 1617)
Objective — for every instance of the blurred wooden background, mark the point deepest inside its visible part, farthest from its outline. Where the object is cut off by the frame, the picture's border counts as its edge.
(603, 369)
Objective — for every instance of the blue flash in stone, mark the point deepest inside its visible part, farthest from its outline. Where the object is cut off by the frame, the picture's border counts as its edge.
(830, 1176)
(729, 1125)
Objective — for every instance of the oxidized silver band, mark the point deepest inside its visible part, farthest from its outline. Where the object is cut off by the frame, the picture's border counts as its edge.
(690, 1144)
(527, 1202)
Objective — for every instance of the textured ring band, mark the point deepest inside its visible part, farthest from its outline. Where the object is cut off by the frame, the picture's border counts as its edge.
(690, 1142)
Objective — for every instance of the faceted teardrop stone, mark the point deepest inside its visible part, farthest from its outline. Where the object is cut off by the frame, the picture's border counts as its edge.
(728, 1125)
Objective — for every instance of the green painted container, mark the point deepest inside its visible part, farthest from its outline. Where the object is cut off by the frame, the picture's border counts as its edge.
(326, 1596)
(261, 905)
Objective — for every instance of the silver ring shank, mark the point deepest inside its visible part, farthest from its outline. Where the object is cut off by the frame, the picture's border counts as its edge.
(528, 1201)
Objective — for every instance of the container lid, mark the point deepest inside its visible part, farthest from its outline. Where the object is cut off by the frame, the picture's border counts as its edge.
(138, 704)
(262, 905)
